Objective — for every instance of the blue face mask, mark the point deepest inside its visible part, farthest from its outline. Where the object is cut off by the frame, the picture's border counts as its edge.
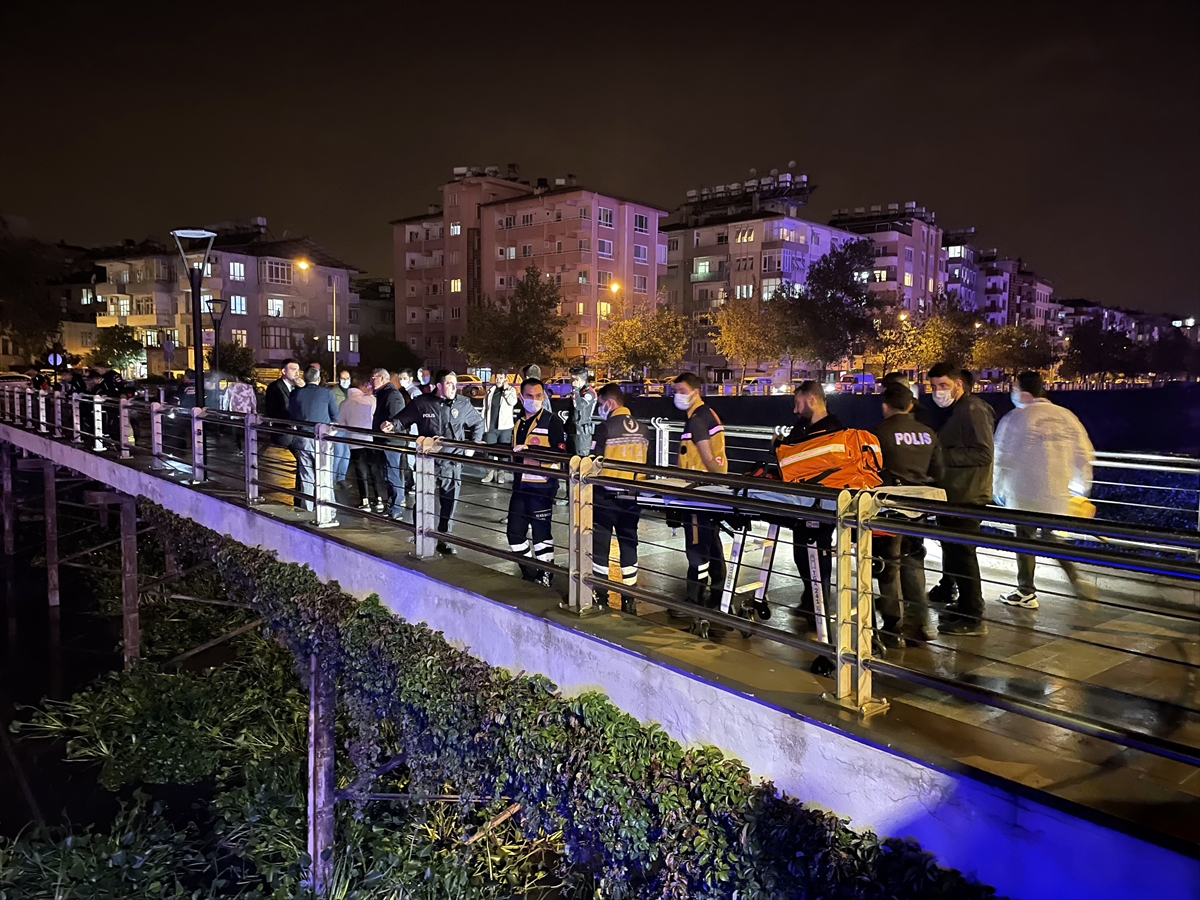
(1016, 400)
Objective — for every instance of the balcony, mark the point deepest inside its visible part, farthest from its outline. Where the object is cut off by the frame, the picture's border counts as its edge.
(719, 275)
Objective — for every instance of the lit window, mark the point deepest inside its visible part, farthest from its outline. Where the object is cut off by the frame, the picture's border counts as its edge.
(206, 303)
(604, 308)
(237, 271)
(274, 306)
(881, 275)
(150, 338)
(87, 297)
(770, 286)
(511, 252)
(237, 305)
(455, 228)
(931, 285)
(955, 252)
(604, 217)
(579, 308)
(604, 249)
(745, 236)
(641, 224)
(641, 253)
(604, 279)
(639, 284)
(583, 276)
(456, 285)
(353, 343)
(582, 339)
(333, 343)
(239, 336)
(526, 250)
(908, 279)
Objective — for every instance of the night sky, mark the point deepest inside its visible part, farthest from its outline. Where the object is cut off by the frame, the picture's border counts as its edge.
(1067, 135)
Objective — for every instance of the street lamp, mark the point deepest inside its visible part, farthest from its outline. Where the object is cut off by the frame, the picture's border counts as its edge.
(216, 309)
(195, 280)
(304, 265)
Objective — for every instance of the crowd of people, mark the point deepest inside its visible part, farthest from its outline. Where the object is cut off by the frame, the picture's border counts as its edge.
(1038, 459)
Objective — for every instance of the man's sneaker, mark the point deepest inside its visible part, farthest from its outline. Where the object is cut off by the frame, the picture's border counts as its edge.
(366, 504)
(489, 477)
(963, 627)
(941, 595)
(379, 506)
(600, 598)
(1017, 598)
(546, 579)
(446, 549)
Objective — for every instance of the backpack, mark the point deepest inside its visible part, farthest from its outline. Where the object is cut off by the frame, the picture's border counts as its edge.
(850, 458)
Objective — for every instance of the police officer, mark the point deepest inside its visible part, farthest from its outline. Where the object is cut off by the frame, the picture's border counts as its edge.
(621, 437)
(445, 414)
(532, 499)
(912, 455)
(583, 411)
(701, 449)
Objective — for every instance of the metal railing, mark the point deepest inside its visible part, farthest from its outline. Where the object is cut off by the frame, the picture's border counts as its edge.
(265, 461)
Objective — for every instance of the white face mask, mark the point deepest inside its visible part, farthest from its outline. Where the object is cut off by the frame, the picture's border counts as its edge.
(943, 398)
(683, 401)
(1016, 400)
(602, 412)
(345, 383)
(405, 385)
(531, 406)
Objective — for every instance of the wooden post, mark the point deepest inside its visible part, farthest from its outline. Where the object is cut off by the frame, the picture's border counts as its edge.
(321, 785)
(9, 501)
(50, 492)
(169, 561)
(129, 582)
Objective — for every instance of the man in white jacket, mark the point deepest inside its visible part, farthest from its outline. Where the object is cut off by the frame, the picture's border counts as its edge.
(499, 412)
(1043, 457)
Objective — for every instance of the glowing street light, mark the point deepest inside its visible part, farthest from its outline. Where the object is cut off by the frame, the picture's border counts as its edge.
(903, 317)
(614, 287)
(304, 265)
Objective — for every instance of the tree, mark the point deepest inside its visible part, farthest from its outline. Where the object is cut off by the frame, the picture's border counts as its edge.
(27, 317)
(888, 348)
(946, 335)
(116, 348)
(645, 339)
(1012, 349)
(1172, 354)
(746, 330)
(835, 311)
(237, 360)
(307, 349)
(521, 329)
(1092, 351)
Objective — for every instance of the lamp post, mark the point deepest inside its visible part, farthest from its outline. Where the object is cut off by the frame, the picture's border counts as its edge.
(216, 309)
(195, 281)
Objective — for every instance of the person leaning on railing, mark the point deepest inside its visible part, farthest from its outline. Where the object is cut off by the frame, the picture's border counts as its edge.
(532, 501)
(620, 437)
(388, 466)
(1043, 462)
(966, 440)
(445, 414)
(701, 449)
(314, 403)
(912, 455)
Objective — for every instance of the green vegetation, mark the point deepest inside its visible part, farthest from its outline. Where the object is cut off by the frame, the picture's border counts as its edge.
(609, 808)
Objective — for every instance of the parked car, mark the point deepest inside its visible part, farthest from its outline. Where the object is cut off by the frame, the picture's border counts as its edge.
(861, 383)
(558, 387)
(757, 386)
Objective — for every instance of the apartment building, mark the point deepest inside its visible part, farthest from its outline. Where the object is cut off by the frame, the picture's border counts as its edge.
(910, 259)
(376, 305)
(962, 266)
(1015, 295)
(489, 228)
(277, 294)
(738, 241)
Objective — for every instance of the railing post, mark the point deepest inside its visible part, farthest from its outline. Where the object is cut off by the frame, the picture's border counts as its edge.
(156, 436)
(662, 442)
(579, 534)
(425, 488)
(198, 473)
(58, 399)
(41, 414)
(50, 508)
(97, 423)
(250, 449)
(125, 428)
(322, 703)
(29, 408)
(326, 515)
(866, 506)
(76, 420)
(842, 636)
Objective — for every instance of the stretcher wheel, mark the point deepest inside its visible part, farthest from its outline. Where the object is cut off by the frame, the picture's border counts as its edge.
(762, 610)
(700, 629)
(822, 666)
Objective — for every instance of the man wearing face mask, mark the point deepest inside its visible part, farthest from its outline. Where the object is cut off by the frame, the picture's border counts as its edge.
(583, 411)
(532, 500)
(423, 385)
(411, 388)
(813, 419)
(967, 450)
(445, 414)
(701, 449)
(1043, 459)
(621, 437)
(342, 386)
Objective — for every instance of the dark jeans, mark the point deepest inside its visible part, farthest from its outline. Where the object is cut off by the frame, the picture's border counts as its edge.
(902, 579)
(529, 526)
(360, 459)
(390, 465)
(705, 558)
(611, 515)
(449, 480)
(1026, 562)
(960, 566)
(820, 535)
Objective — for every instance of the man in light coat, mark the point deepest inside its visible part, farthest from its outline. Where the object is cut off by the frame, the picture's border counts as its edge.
(1043, 458)
(499, 416)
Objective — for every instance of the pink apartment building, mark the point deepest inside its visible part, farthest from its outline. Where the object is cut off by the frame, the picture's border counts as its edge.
(489, 228)
(910, 260)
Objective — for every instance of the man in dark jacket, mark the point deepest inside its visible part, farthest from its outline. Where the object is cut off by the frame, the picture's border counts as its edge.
(532, 499)
(312, 403)
(445, 414)
(919, 412)
(912, 455)
(582, 425)
(388, 466)
(967, 448)
(276, 399)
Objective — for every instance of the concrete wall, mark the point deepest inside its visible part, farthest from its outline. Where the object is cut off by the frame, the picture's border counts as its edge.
(1023, 848)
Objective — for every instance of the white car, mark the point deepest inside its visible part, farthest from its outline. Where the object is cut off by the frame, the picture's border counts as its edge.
(758, 386)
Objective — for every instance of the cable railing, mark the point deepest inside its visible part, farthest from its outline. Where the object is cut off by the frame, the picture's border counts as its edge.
(819, 602)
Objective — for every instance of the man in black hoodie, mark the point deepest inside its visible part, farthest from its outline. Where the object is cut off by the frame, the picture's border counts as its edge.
(388, 465)
(967, 448)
